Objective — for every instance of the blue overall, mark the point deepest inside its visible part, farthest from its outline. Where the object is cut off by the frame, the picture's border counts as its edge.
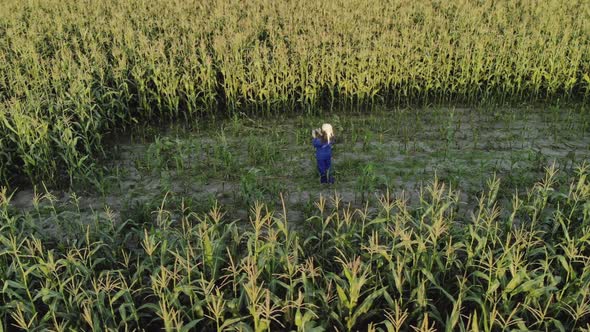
(323, 155)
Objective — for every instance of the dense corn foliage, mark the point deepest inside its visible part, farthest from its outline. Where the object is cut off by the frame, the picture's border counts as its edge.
(393, 266)
(73, 71)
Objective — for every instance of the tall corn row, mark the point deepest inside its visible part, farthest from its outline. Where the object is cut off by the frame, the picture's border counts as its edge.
(102, 66)
(392, 266)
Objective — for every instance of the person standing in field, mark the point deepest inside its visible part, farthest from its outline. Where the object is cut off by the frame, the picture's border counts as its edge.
(322, 141)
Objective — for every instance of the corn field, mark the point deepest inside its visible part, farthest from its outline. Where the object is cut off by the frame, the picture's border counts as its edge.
(73, 72)
(391, 266)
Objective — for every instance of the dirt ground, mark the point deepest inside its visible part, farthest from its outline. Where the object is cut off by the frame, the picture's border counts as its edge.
(241, 160)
